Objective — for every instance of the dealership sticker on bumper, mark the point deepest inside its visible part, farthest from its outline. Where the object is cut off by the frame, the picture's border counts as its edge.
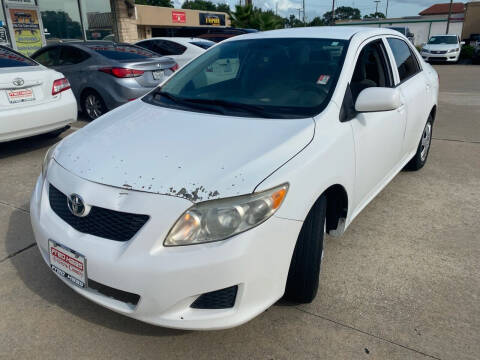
(22, 95)
(68, 263)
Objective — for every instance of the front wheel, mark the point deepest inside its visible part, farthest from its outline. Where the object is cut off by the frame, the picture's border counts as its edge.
(93, 105)
(304, 272)
(420, 158)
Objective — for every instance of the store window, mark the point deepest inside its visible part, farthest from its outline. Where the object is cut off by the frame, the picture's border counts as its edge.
(61, 19)
(97, 19)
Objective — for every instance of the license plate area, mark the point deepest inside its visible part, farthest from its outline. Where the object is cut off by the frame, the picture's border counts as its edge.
(20, 95)
(157, 74)
(68, 263)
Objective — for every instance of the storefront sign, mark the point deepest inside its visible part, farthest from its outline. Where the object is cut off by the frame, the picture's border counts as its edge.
(26, 30)
(212, 19)
(179, 17)
(3, 35)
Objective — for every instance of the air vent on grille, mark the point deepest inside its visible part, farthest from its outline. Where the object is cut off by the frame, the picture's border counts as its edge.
(113, 293)
(101, 222)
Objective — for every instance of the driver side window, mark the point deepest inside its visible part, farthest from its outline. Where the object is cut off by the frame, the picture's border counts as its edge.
(371, 69)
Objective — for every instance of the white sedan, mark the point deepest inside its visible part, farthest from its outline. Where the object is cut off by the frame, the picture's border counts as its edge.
(203, 203)
(445, 48)
(180, 49)
(33, 99)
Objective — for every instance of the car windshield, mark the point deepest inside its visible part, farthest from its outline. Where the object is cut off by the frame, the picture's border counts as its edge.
(273, 78)
(10, 58)
(437, 40)
(122, 52)
(205, 44)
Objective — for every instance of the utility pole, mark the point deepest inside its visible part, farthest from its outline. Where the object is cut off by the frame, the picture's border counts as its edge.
(386, 11)
(376, 7)
(303, 5)
(333, 12)
(299, 16)
(449, 16)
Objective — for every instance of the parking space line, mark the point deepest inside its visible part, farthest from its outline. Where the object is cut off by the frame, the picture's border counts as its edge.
(14, 207)
(367, 333)
(462, 141)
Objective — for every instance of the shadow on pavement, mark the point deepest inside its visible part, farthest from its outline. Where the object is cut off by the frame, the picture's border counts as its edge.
(21, 146)
(36, 275)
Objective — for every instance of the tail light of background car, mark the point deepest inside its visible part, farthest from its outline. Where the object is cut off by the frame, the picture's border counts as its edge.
(60, 85)
(174, 67)
(122, 72)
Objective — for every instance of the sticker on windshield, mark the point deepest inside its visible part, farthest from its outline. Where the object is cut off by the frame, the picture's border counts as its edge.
(323, 79)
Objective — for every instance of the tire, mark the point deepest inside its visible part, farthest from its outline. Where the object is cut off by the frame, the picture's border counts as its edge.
(421, 156)
(304, 272)
(93, 105)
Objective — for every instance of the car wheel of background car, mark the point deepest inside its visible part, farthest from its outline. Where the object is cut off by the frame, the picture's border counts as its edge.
(304, 272)
(420, 158)
(93, 105)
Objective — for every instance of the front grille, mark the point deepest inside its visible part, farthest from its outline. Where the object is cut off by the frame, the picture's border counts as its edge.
(101, 222)
(219, 299)
(439, 52)
(120, 295)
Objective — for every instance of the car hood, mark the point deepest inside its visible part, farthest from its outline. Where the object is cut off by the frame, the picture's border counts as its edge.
(192, 155)
(441, 47)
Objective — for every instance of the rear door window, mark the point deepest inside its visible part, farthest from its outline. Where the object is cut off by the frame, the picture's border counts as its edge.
(10, 58)
(48, 57)
(170, 47)
(122, 52)
(406, 61)
(70, 55)
(203, 44)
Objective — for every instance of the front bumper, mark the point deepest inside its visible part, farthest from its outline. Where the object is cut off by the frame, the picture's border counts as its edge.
(447, 57)
(168, 280)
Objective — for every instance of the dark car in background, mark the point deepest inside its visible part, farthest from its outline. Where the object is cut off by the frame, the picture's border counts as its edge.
(104, 74)
(215, 34)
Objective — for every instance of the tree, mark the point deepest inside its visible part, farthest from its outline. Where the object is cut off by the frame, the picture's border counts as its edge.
(292, 22)
(317, 21)
(342, 13)
(164, 3)
(223, 8)
(377, 15)
(254, 18)
(204, 5)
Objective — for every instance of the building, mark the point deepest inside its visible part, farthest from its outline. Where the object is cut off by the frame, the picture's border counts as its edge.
(429, 22)
(471, 24)
(27, 25)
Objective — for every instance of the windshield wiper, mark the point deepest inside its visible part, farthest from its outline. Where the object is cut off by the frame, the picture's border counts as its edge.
(186, 103)
(252, 109)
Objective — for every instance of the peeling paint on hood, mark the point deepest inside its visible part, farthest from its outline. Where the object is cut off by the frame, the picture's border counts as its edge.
(191, 155)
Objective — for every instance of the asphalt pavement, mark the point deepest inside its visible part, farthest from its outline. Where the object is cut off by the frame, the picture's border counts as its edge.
(402, 283)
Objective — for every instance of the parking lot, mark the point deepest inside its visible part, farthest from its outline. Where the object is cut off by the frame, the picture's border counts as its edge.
(402, 283)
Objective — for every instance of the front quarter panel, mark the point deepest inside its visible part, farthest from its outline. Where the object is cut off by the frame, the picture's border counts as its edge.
(328, 160)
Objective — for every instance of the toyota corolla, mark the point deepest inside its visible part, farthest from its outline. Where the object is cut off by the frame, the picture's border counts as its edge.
(203, 203)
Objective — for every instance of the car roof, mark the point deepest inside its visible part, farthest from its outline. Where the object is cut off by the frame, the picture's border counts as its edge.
(322, 32)
(181, 40)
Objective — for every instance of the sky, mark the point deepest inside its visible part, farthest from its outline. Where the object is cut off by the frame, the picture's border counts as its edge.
(396, 8)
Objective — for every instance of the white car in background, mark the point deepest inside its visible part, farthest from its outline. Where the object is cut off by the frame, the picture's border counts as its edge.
(203, 203)
(445, 48)
(181, 49)
(33, 99)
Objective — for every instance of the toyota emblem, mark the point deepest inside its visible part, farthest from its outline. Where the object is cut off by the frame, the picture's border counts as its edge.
(18, 82)
(77, 206)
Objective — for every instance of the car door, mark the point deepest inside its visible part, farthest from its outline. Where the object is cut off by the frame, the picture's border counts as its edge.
(413, 86)
(70, 63)
(378, 135)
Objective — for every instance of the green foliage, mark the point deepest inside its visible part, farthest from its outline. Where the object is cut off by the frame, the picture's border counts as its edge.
(255, 18)
(317, 21)
(292, 22)
(467, 52)
(223, 8)
(199, 5)
(60, 25)
(342, 13)
(377, 15)
(164, 3)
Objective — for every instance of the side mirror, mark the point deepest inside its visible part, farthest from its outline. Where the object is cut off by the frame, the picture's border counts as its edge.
(378, 99)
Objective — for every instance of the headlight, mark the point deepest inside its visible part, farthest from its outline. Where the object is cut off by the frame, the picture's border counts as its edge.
(425, 51)
(220, 219)
(453, 50)
(47, 159)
